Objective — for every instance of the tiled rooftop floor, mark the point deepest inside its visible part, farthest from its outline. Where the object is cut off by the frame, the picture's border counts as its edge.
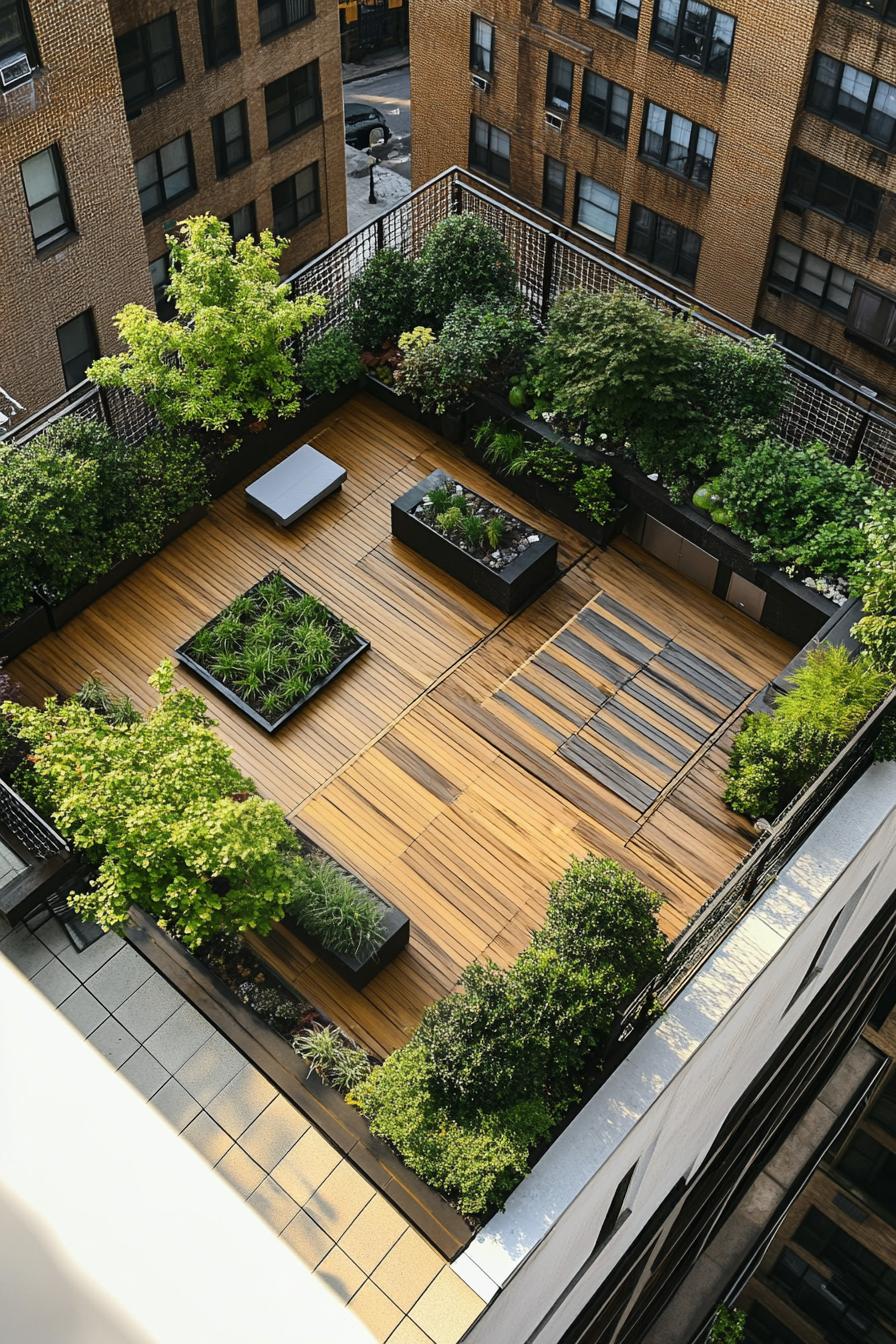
(317, 1201)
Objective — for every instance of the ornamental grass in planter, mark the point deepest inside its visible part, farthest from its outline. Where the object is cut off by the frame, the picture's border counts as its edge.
(272, 650)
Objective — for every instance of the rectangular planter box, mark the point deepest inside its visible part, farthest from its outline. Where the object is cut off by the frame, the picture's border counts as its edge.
(24, 630)
(508, 589)
(60, 613)
(359, 971)
(452, 425)
(184, 658)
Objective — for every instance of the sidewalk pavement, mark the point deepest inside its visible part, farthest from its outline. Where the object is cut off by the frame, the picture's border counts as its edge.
(383, 63)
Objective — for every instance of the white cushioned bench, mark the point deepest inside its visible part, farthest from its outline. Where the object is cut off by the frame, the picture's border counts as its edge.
(295, 485)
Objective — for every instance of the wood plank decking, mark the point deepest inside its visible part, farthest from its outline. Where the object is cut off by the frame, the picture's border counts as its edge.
(467, 756)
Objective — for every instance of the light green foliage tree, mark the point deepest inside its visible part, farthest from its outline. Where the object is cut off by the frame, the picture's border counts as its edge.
(874, 582)
(159, 806)
(227, 357)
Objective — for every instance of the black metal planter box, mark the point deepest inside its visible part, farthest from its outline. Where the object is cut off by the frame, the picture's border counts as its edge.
(184, 658)
(452, 425)
(24, 630)
(508, 589)
(359, 971)
(60, 613)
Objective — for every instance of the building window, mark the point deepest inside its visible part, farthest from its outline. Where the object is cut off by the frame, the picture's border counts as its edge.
(16, 32)
(812, 184)
(695, 34)
(149, 62)
(621, 14)
(489, 149)
(230, 134)
(293, 103)
(811, 278)
(597, 207)
(166, 175)
(558, 94)
(851, 98)
(46, 192)
(663, 243)
(78, 347)
(243, 223)
(296, 200)
(482, 45)
(872, 317)
(160, 275)
(869, 1169)
(677, 144)
(856, 1295)
(881, 9)
(553, 187)
(278, 16)
(606, 108)
(220, 31)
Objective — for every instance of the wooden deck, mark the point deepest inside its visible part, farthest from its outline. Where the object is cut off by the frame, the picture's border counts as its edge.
(460, 764)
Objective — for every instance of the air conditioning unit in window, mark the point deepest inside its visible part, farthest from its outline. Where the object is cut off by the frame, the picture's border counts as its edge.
(481, 82)
(14, 70)
(554, 122)
(878, 157)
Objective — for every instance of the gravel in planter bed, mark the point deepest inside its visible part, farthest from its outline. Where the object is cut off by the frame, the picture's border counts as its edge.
(474, 525)
(271, 650)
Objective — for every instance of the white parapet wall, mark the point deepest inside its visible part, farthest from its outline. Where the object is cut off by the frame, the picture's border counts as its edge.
(660, 1112)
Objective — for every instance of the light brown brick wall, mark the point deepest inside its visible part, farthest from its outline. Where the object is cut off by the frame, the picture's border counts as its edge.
(76, 102)
(755, 115)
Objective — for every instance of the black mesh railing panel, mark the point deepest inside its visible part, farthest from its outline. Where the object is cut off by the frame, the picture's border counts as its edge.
(34, 834)
(128, 416)
(877, 452)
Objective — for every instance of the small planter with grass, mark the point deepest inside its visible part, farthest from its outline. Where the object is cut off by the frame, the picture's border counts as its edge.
(272, 650)
(350, 927)
(497, 555)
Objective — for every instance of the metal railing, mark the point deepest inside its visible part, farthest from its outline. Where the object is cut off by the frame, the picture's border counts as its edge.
(550, 260)
(32, 832)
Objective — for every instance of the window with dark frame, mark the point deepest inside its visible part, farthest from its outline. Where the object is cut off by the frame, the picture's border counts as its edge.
(166, 175)
(667, 246)
(856, 1292)
(46, 194)
(160, 277)
(852, 98)
(597, 207)
(243, 223)
(220, 31)
(695, 34)
(812, 184)
(878, 9)
(279, 16)
(230, 136)
(16, 31)
(296, 200)
(482, 45)
(811, 278)
(677, 144)
(149, 62)
(872, 317)
(605, 108)
(293, 103)
(620, 14)
(78, 347)
(489, 149)
(558, 93)
(553, 187)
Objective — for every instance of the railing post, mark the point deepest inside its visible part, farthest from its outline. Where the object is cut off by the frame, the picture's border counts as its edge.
(380, 233)
(547, 276)
(457, 205)
(858, 439)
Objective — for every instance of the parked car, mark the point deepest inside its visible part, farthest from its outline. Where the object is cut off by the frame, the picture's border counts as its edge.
(360, 120)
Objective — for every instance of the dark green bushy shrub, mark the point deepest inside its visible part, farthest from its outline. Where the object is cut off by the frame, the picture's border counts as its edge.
(462, 258)
(594, 492)
(742, 385)
(330, 363)
(478, 343)
(874, 581)
(796, 506)
(381, 299)
(775, 755)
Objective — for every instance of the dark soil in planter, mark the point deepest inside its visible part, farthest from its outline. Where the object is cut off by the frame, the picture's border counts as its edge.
(288, 679)
(255, 986)
(516, 536)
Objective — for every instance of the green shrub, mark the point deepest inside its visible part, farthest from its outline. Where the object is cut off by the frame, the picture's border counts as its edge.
(334, 908)
(116, 709)
(382, 300)
(159, 807)
(228, 358)
(476, 1160)
(555, 464)
(462, 258)
(874, 581)
(330, 363)
(796, 506)
(743, 385)
(335, 1061)
(479, 343)
(775, 755)
(594, 493)
(728, 1327)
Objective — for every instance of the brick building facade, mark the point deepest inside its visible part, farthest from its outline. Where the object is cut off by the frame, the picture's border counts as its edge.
(691, 139)
(138, 113)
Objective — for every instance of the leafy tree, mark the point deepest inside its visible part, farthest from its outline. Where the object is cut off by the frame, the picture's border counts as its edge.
(742, 385)
(382, 300)
(875, 583)
(159, 806)
(728, 1327)
(462, 258)
(478, 344)
(227, 357)
(330, 363)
